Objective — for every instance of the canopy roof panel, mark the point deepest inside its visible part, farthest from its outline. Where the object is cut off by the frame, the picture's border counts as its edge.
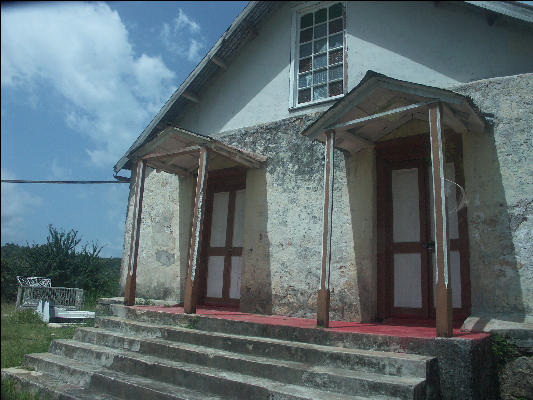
(175, 150)
(379, 104)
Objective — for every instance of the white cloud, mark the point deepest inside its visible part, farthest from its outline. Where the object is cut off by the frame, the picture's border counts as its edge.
(184, 22)
(116, 199)
(83, 51)
(59, 172)
(183, 37)
(17, 204)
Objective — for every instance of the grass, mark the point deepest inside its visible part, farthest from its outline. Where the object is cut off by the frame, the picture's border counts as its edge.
(10, 392)
(23, 332)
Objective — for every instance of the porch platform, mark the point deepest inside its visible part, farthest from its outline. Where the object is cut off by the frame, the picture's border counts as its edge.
(401, 328)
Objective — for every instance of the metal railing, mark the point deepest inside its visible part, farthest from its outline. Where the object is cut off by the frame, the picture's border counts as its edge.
(34, 289)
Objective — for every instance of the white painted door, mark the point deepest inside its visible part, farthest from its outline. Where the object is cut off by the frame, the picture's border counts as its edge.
(406, 269)
(413, 237)
(224, 252)
(408, 240)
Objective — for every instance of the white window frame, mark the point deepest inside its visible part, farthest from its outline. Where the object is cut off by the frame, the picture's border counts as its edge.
(298, 12)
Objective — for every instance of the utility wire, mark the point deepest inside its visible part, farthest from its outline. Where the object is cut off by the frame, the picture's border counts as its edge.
(63, 182)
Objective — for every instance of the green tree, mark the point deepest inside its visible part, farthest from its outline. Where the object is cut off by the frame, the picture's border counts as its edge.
(65, 260)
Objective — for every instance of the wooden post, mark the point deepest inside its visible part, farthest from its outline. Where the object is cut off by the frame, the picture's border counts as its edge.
(443, 288)
(196, 232)
(324, 293)
(131, 279)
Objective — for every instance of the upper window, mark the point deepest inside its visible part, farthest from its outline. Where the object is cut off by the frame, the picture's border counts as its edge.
(320, 54)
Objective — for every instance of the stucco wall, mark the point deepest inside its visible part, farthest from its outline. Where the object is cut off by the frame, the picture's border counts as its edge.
(283, 225)
(448, 44)
(164, 235)
(498, 168)
(283, 216)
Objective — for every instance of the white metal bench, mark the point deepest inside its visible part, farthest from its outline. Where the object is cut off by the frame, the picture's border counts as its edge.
(33, 289)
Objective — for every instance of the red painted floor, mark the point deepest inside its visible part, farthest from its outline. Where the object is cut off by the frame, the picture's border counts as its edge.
(392, 327)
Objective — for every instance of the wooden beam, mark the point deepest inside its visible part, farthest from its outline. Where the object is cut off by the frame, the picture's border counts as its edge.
(186, 150)
(219, 62)
(235, 156)
(352, 123)
(170, 168)
(452, 120)
(324, 293)
(363, 141)
(196, 232)
(252, 28)
(131, 277)
(190, 96)
(443, 288)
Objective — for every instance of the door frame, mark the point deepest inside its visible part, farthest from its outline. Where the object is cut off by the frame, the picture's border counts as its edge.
(400, 151)
(223, 180)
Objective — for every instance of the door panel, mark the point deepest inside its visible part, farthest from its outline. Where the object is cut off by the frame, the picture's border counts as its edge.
(407, 280)
(406, 266)
(219, 219)
(238, 221)
(405, 207)
(215, 276)
(408, 256)
(235, 278)
(223, 242)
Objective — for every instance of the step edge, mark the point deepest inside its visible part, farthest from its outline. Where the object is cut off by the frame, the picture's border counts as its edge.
(328, 348)
(364, 376)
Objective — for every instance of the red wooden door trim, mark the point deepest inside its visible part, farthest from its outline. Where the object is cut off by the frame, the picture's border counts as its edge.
(388, 155)
(227, 180)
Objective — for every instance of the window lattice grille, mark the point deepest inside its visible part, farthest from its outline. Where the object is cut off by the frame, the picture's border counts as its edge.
(321, 54)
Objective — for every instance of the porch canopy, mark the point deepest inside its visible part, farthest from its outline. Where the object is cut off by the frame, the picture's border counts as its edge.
(181, 152)
(175, 150)
(374, 108)
(378, 105)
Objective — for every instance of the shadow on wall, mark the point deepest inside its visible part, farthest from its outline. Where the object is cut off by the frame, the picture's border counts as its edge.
(256, 281)
(445, 49)
(187, 192)
(127, 233)
(361, 180)
(494, 269)
(255, 69)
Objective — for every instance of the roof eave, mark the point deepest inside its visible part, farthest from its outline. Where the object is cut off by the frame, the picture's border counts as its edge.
(184, 86)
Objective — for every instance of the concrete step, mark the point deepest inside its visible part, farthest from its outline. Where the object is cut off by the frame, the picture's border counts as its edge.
(388, 363)
(45, 386)
(117, 373)
(101, 383)
(327, 337)
(317, 376)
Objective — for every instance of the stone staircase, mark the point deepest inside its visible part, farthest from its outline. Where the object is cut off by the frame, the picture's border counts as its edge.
(136, 354)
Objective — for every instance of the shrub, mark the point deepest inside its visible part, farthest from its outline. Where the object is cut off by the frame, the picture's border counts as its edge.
(65, 260)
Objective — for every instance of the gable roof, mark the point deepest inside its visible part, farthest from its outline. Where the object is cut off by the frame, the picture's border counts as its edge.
(175, 151)
(243, 29)
(380, 104)
(512, 9)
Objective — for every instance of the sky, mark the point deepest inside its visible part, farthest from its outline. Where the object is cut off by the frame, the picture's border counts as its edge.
(80, 81)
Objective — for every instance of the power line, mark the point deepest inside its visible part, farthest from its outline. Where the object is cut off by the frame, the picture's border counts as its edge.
(126, 180)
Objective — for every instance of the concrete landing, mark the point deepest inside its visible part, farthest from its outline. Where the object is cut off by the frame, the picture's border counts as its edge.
(405, 328)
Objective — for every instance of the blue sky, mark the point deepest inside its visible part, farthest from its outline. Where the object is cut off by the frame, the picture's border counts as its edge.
(80, 81)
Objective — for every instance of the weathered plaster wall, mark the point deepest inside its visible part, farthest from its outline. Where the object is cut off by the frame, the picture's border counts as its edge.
(164, 235)
(361, 181)
(283, 216)
(283, 225)
(498, 168)
(448, 44)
